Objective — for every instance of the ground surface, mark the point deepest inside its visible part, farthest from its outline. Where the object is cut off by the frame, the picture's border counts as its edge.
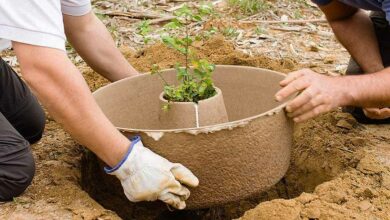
(340, 169)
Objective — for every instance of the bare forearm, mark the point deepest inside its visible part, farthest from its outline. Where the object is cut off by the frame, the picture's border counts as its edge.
(370, 90)
(63, 91)
(357, 35)
(93, 42)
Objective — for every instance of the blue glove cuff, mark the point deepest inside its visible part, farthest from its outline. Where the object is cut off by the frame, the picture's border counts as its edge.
(133, 140)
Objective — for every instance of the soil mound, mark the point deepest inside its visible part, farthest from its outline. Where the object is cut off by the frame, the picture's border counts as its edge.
(217, 50)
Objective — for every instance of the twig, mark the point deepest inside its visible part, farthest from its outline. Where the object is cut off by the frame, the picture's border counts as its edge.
(174, 8)
(288, 21)
(138, 15)
(163, 19)
(155, 19)
(344, 149)
(294, 28)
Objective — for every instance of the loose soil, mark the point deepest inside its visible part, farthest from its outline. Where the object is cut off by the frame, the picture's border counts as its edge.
(339, 169)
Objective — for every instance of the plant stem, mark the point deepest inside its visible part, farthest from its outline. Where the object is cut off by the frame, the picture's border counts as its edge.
(187, 46)
(165, 82)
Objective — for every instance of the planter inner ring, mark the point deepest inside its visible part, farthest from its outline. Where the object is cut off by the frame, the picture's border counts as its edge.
(232, 160)
(211, 111)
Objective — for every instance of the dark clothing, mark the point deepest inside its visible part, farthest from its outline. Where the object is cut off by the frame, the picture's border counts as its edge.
(382, 31)
(372, 5)
(22, 121)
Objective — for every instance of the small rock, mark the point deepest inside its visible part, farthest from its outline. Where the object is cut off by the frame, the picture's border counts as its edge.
(369, 165)
(385, 181)
(367, 193)
(346, 116)
(337, 197)
(329, 60)
(306, 198)
(51, 200)
(358, 141)
(344, 124)
(313, 213)
(289, 203)
(386, 193)
(365, 205)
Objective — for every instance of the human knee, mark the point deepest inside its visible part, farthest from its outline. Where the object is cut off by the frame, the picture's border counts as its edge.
(38, 126)
(16, 173)
(32, 123)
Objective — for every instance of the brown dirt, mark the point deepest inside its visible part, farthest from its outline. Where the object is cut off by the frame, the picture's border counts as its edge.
(351, 160)
(217, 50)
(346, 164)
(55, 191)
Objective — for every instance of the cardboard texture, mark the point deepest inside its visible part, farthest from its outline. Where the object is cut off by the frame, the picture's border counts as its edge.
(210, 111)
(233, 160)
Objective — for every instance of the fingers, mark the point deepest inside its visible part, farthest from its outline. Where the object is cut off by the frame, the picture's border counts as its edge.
(307, 106)
(302, 99)
(293, 87)
(384, 113)
(179, 190)
(184, 175)
(175, 196)
(172, 200)
(291, 77)
(377, 113)
(372, 113)
(312, 113)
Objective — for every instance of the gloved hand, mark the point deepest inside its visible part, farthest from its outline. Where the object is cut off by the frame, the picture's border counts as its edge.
(146, 176)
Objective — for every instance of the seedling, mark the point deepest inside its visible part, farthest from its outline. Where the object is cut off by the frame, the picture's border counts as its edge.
(249, 7)
(195, 84)
(259, 30)
(230, 32)
(144, 29)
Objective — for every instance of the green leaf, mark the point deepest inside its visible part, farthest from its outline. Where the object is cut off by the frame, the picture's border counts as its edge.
(184, 11)
(205, 9)
(181, 72)
(155, 69)
(174, 43)
(187, 40)
(174, 24)
(197, 18)
(166, 107)
(143, 28)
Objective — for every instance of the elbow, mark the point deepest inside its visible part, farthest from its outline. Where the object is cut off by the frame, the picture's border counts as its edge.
(33, 73)
(79, 24)
(342, 18)
(39, 63)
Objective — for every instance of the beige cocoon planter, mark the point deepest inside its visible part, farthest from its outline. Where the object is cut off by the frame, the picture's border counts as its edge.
(233, 160)
(210, 111)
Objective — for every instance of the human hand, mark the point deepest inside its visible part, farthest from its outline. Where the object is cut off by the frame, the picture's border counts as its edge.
(318, 94)
(146, 176)
(377, 113)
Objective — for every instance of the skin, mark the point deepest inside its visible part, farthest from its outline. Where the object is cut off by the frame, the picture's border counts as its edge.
(99, 51)
(61, 88)
(319, 93)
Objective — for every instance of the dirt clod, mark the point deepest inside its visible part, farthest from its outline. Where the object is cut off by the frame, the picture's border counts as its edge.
(344, 124)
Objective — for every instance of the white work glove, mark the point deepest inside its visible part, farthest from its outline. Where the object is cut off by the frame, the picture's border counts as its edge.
(146, 176)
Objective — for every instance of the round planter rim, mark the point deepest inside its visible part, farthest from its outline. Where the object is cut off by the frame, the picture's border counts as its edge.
(215, 128)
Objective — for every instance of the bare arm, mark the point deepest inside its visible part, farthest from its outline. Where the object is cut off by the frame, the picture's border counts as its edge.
(63, 91)
(93, 42)
(371, 90)
(355, 31)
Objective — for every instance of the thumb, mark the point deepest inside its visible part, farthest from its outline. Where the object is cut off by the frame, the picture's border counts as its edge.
(184, 175)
